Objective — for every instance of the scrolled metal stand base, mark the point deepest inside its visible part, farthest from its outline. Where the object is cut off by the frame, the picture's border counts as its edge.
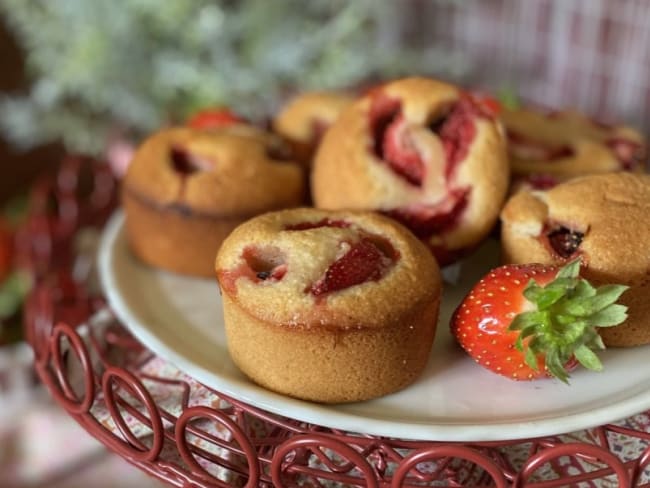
(88, 364)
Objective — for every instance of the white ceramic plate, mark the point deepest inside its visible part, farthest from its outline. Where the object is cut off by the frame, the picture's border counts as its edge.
(180, 319)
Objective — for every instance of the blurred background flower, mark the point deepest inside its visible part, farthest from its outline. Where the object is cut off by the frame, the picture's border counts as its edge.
(102, 70)
(98, 68)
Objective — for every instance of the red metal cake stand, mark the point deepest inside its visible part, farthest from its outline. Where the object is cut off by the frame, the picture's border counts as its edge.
(94, 371)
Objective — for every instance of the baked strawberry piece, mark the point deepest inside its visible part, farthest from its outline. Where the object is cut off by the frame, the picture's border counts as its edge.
(328, 306)
(562, 145)
(422, 152)
(213, 118)
(602, 220)
(530, 321)
(533, 182)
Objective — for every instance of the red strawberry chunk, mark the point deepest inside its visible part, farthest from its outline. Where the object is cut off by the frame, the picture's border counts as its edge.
(326, 222)
(383, 112)
(399, 152)
(630, 154)
(390, 130)
(364, 261)
(526, 147)
(541, 181)
(457, 132)
(424, 221)
(214, 118)
(392, 142)
(489, 106)
(562, 241)
(185, 163)
(260, 264)
(390, 139)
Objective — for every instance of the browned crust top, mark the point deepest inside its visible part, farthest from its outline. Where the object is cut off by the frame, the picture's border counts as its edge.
(413, 281)
(347, 174)
(238, 176)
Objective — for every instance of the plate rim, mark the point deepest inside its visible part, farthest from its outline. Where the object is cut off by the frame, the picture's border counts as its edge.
(323, 415)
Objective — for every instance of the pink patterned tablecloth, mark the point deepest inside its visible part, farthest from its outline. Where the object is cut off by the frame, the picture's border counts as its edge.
(42, 446)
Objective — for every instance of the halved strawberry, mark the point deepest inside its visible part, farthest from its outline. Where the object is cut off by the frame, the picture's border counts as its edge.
(213, 118)
(366, 260)
(530, 321)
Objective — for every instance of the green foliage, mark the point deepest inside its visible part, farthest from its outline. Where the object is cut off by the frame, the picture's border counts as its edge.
(12, 293)
(133, 65)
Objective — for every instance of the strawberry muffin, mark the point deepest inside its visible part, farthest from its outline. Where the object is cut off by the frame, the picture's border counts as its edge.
(328, 306)
(304, 120)
(548, 147)
(601, 219)
(186, 189)
(422, 152)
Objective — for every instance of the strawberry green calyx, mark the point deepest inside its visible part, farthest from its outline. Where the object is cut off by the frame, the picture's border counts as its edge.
(564, 323)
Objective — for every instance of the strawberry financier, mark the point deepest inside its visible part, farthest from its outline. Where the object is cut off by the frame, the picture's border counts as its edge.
(545, 146)
(601, 219)
(186, 189)
(305, 118)
(328, 306)
(422, 152)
